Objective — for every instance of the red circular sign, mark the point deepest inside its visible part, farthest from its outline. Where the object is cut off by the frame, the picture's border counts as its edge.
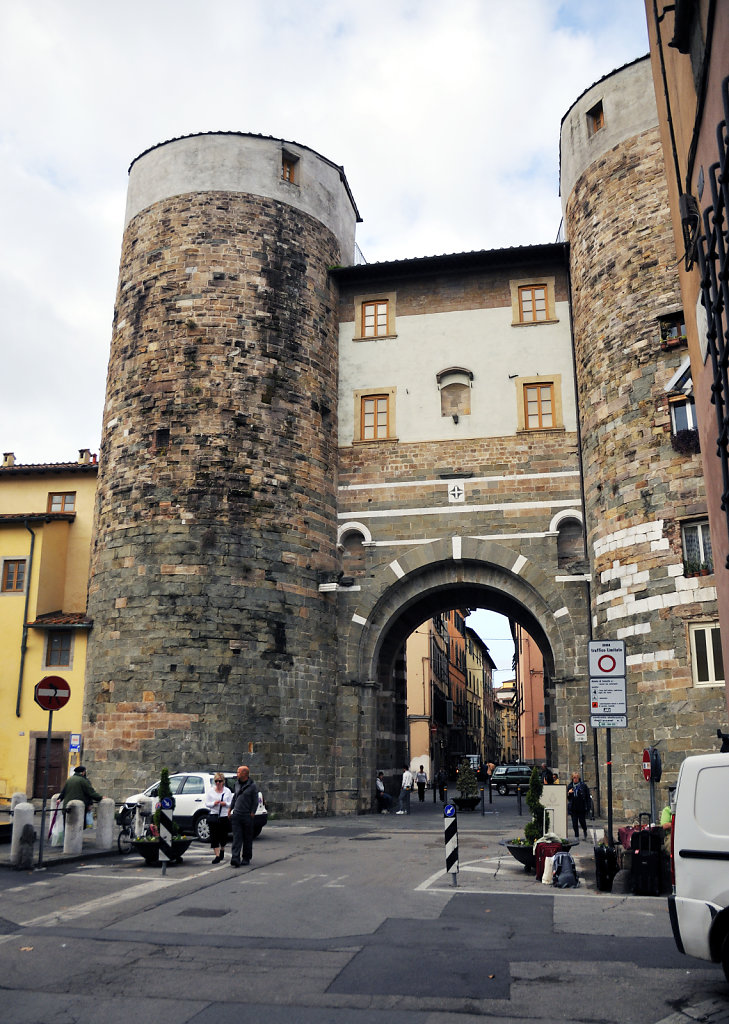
(52, 693)
(606, 663)
(647, 765)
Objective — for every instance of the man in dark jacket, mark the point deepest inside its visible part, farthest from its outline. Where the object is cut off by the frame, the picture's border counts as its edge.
(243, 808)
(78, 787)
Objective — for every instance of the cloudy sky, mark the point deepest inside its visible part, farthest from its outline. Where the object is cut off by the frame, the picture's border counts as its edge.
(444, 113)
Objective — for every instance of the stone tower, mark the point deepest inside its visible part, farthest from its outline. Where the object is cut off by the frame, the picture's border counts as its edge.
(641, 493)
(216, 508)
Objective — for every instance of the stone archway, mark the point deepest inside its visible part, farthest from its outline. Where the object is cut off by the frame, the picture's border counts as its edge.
(458, 571)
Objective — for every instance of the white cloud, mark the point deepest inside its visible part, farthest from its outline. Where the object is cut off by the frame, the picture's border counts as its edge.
(444, 113)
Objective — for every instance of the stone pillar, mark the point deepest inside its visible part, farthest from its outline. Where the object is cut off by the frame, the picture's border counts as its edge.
(73, 834)
(105, 824)
(23, 814)
(15, 799)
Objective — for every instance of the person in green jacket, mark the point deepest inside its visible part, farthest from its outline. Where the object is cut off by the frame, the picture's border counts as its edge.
(78, 787)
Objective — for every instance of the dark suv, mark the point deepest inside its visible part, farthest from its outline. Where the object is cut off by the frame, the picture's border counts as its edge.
(507, 777)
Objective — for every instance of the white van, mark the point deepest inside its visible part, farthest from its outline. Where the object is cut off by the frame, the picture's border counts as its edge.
(699, 905)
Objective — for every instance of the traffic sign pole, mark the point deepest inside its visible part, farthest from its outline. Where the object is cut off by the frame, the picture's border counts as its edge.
(45, 790)
(51, 694)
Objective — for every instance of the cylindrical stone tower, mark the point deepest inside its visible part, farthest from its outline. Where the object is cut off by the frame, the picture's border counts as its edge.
(216, 509)
(642, 491)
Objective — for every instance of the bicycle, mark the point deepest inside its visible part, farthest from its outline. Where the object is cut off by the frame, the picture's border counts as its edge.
(127, 818)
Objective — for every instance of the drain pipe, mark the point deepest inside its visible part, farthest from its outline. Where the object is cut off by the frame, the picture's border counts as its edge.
(24, 641)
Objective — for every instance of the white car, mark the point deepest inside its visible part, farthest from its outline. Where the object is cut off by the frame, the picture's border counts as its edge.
(189, 790)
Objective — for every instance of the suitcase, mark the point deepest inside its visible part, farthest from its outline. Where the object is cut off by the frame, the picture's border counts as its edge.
(646, 870)
(606, 867)
(544, 850)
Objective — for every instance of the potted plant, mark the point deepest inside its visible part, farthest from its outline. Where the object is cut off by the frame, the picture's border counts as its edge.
(467, 787)
(148, 846)
(522, 848)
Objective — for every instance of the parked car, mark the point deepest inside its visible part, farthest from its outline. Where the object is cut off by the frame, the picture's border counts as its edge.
(507, 777)
(699, 905)
(189, 790)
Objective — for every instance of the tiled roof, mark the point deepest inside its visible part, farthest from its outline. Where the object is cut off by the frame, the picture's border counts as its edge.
(79, 620)
(28, 468)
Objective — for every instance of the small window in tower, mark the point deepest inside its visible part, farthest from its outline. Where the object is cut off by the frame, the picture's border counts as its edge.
(161, 438)
(289, 168)
(595, 118)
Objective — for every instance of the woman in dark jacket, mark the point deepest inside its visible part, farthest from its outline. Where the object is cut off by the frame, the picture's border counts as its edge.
(578, 800)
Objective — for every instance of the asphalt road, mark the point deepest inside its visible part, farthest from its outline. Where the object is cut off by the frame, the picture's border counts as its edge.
(345, 920)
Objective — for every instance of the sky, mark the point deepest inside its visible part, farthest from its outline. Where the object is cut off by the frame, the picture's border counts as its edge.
(445, 115)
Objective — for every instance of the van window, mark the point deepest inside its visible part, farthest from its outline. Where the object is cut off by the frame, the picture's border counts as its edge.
(712, 814)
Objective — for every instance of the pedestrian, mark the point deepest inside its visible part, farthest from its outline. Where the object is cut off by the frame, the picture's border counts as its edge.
(78, 787)
(403, 804)
(547, 775)
(578, 800)
(242, 809)
(384, 800)
(442, 779)
(218, 803)
(421, 781)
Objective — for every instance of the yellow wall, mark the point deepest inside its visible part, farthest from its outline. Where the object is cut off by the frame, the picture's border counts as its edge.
(58, 583)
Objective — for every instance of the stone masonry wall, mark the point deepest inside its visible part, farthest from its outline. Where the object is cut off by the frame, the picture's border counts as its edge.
(638, 489)
(216, 505)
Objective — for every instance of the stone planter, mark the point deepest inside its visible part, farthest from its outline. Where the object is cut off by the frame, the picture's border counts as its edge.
(149, 849)
(524, 854)
(467, 803)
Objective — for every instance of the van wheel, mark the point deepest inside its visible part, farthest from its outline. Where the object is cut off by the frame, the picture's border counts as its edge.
(502, 789)
(725, 957)
(201, 828)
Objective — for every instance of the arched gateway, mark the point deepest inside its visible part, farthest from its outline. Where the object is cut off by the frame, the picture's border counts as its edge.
(447, 573)
(301, 460)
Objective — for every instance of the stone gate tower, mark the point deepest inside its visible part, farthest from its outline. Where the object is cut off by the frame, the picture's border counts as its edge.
(216, 508)
(644, 492)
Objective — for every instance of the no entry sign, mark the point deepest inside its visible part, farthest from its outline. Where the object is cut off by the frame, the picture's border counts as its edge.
(52, 693)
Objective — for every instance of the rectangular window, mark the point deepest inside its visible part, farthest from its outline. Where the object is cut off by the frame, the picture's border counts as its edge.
(13, 579)
(707, 663)
(538, 406)
(532, 303)
(288, 168)
(63, 502)
(58, 648)
(374, 319)
(683, 415)
(595, 118)
(375, 420)
(697, 554)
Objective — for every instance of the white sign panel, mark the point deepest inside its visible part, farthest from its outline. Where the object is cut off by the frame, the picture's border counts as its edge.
(609, 721)
(608, 697)
(580, 732)
(607, 658)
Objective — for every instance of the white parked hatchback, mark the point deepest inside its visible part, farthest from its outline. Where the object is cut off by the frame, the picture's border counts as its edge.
(189, 790)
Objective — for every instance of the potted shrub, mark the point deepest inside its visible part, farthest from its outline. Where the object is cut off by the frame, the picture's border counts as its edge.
(467, 787)
(147, 845)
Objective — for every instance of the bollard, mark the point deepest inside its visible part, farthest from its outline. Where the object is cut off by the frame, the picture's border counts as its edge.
(450, 822)
(105, 824)
(23, 815)
(15, 799)
(27, 841)
(518, 799)
(73, 833)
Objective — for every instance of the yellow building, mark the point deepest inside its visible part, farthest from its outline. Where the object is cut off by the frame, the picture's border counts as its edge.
(46, 515)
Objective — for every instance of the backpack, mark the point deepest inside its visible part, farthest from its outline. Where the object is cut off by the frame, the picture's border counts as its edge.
(564, 872)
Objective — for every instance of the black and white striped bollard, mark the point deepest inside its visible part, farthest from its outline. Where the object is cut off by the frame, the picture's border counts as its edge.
(450, 822)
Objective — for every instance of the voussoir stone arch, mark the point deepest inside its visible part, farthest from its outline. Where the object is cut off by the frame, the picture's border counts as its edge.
(478, 573)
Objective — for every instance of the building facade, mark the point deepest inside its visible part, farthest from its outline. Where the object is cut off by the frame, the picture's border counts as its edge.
(46, 515)
(653, 581)
(689, 44)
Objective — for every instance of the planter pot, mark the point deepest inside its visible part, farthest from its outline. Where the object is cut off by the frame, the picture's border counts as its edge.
(524, 854)
(467, 803)
(149, 849)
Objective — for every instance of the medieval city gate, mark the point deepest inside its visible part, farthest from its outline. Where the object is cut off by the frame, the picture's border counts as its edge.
(376, 619)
